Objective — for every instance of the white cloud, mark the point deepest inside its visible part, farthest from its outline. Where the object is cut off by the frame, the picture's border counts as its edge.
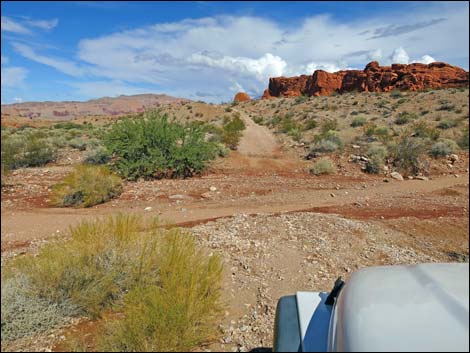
(43, 24)
(13, 76)
(10, 25)
(62, 65)
(213, 56)
(17, 99)
(400, 56)
(425, 59)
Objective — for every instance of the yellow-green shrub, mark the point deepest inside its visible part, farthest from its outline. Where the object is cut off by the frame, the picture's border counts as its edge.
(166, 286)
(86, 186)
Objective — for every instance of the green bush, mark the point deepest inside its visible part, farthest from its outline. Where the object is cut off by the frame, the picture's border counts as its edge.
(329, 125)
(232, 132)
(300, 99)
(28, 150)
(446, 106)
(153, 147)
(376, 155)
(382, 133)
(463, 140)
(78, 144)
(443, 148)
(258, 120)
(423, 130)
(405, 117)
(97, 156)
(323, 166)
(446, 124)
(164, 289)
(396, 94)
(359, 121)
(408, 154)
(310, 124)
(369, 129)
(86, 186)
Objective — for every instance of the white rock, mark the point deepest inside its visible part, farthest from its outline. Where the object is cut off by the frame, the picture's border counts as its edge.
(148, 209)
(213, 188)
(396, 175)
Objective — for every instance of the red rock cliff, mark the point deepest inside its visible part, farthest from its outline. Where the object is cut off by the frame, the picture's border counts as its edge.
(373, 78)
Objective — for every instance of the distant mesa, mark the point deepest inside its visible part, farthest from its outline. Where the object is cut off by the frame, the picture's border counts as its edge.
(374, 78)
(241, 97)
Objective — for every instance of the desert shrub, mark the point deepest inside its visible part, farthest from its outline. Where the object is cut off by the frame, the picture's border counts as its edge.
(300, 99)
(78, 144)
(408, 154)
(97, 156)
(58, 141)
(464, 140)
(228, 109)
(232, 132)
(396, 94)
(327, 143)
(258, 120)
(24, 314)
(376, 155)
(68, 126)
(296, 134)
(423, 130)
(359, 121)
(165, 285)
(443, 148)
(369, 129)
(401, 101)
(323, 166)
(287, 124)
(446, 106)
(446, 124)
(153, 147)
(86, 186)
(28, 150)
(382, 133)
(310, 124)
(329, 125)
(405, 117)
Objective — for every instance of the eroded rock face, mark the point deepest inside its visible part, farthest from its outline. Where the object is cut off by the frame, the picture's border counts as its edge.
(374, 78)
(241, 97)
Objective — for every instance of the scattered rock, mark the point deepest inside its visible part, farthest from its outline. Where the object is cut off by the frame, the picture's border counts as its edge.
(396, 175)
(454, 158)
(148, 209)
(421, 177)
(213, 188)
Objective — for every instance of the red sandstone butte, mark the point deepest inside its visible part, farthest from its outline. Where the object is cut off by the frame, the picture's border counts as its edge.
(241, 97)
(373, 78)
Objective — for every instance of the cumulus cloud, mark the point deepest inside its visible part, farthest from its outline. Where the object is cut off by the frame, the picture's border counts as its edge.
(400, 56)
(13, 76)
(211, 57)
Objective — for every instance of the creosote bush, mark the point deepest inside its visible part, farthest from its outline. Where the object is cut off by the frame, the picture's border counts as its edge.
(323, 166)
(408, 154)
(376, 154)
(153, 147)
(164, 289)
(232, 131)
(86, 186)
(443, 148)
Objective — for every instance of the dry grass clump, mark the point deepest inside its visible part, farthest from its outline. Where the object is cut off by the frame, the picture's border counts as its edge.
(323, 166)
(164, 287)
(86, 186)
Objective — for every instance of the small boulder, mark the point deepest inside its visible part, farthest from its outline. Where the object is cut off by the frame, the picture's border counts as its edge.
(396, 175)
(453, 158)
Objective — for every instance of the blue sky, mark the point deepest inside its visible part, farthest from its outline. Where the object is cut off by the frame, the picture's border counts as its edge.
(211, 50)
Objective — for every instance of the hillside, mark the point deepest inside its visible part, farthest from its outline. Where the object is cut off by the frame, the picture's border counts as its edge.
(109, 106)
